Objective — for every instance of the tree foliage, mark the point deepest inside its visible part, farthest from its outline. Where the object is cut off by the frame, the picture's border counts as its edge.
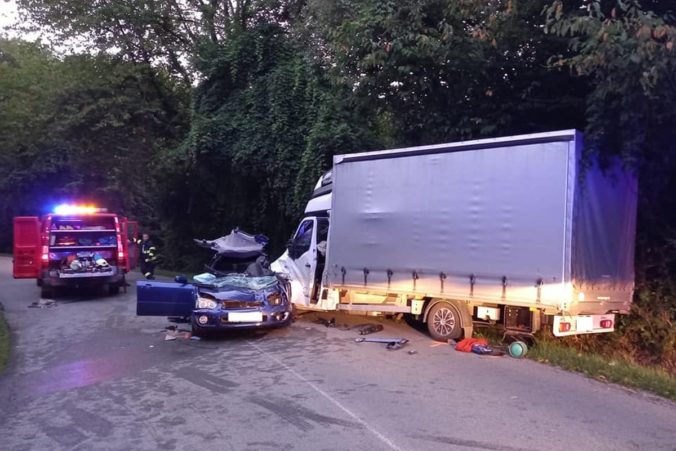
(265, 123)
(82, 127)
(441, 70)
(626, 48)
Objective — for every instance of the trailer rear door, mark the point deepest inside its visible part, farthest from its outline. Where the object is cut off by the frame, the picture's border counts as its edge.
(26, 247)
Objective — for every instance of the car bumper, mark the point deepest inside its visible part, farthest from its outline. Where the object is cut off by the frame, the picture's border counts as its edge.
(55, 279)
(207, 319)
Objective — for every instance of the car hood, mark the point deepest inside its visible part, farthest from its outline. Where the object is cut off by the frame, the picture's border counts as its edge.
(225, 294)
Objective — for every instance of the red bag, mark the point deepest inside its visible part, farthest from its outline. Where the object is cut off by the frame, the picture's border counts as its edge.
(465, 344)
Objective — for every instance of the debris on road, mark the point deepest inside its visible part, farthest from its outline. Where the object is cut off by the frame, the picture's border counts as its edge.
(392, 343)
(43, 303)
(465, 345)
(327, 322)
(363, 329)
(174, 334)
(366, 329)
(477, 346)
(517, 349)
(412, 352)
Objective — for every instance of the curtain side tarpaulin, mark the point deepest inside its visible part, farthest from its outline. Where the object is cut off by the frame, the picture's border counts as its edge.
(605, 230)
(494, 223)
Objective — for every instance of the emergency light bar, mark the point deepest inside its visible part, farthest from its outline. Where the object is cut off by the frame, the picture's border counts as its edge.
(69, 209)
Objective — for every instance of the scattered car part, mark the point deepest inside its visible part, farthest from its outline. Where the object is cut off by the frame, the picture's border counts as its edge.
(367, 329)
(517, 349)
(327, 322)
(392, 343)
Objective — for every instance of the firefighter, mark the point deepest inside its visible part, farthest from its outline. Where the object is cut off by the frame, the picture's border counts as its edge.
(148, 256)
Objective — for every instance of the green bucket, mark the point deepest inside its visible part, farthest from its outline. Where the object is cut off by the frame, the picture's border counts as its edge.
(518, 349)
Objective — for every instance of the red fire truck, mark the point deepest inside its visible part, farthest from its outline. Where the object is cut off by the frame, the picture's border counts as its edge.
(76, 245)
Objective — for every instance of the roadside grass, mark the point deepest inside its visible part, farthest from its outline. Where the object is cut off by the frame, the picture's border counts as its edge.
(4, 341)
(603, 368)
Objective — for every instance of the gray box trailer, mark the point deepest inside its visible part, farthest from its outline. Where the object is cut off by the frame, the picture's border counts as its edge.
(519, 230)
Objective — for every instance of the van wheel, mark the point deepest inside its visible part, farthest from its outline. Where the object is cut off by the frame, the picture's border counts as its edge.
(443, 322)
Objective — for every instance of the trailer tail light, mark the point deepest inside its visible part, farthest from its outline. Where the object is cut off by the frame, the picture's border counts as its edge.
(45, 254)
(564, 327)
(606, 323)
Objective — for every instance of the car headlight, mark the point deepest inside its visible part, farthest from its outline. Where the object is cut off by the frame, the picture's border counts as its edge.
(274, 299)
(205, 303)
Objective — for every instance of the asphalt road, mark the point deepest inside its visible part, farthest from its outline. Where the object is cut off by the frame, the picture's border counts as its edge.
(89, 374)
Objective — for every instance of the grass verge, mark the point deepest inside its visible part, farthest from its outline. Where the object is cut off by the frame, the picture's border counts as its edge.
(605, 369)
(4, 341)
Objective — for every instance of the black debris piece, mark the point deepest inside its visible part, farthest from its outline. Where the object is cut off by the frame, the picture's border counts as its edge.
(367, 329)
(392, 344)
(327, 322)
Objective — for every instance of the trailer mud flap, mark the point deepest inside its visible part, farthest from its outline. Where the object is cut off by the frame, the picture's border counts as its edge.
(165, 299)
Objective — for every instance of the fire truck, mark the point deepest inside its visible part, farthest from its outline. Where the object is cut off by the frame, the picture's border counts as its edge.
(75, 245)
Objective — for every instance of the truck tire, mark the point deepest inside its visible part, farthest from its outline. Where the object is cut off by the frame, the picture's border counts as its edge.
(444, 322)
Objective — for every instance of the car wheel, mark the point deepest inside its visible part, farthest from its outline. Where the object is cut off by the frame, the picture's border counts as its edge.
(443, 322)
(198, 331)
(46, 292)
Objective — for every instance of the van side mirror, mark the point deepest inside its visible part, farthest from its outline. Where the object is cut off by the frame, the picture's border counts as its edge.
(181, 279)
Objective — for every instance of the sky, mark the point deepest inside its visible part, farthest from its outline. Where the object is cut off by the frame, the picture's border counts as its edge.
(8, 14)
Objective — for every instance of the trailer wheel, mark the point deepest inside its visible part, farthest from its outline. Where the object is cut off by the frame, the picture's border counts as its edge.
(443, 322)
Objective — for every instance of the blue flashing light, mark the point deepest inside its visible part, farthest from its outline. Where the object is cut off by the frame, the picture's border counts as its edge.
(72, 209)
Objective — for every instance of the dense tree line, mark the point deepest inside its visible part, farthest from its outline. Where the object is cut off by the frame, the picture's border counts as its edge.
(196, 116)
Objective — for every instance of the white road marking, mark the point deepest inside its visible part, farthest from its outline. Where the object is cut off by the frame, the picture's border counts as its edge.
(333, 400)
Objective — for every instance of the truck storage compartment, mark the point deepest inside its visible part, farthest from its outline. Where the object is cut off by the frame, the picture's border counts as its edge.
(82, 246)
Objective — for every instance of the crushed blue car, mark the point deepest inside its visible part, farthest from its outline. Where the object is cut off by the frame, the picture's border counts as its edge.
(237, 290)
